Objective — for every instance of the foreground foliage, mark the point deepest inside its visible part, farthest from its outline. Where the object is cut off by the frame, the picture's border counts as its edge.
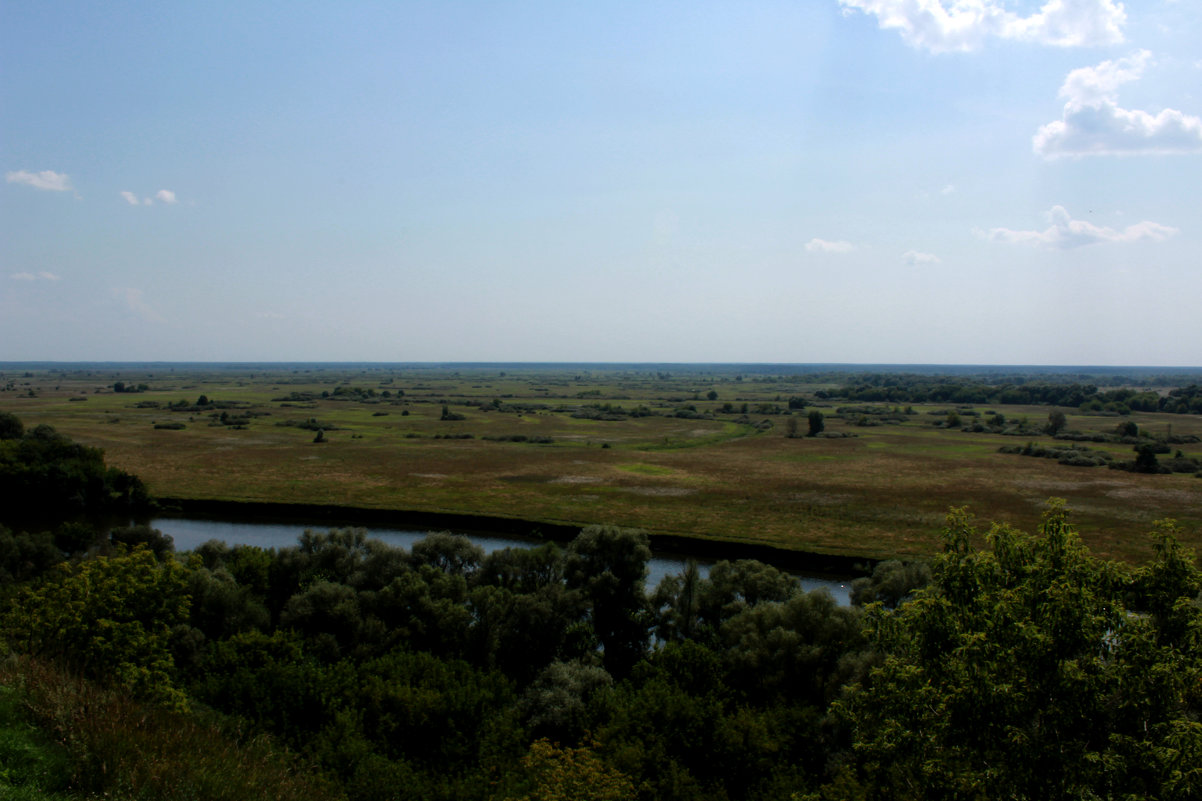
(1033, 667)
(1014, 665)
(99, 741)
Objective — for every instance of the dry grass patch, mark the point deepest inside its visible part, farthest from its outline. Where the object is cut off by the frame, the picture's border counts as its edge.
(882, 492)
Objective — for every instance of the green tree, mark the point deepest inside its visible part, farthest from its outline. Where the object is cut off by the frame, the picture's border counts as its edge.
(425, 609)
(270, 681)
(1127, 428)
(520, 633)
(732, 587)
(556, 704)
(800, 650)
(160, 544)
(608, 565)
(326, 613)
(10, 426)
(891, 582)
(23, 555)
(677, 604)
(817, 423)
(221, 607)
(1056, 422)
(451, 553)
(109, 617)
(1018, 673)
(1145, 460)
(792, 427)
(46, 476)
(573, 774)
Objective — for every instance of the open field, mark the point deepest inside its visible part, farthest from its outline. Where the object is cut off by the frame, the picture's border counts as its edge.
(636, 447)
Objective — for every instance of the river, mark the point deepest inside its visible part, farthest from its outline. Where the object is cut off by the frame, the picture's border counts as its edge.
(190, 533)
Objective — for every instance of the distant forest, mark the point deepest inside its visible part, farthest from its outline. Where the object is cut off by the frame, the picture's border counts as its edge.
(894, 388)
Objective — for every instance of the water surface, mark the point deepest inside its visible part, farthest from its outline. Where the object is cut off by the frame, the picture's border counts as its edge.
(190, 533)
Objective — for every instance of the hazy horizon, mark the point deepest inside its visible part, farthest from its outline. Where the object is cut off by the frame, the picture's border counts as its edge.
(752, 367)
(1007, 182)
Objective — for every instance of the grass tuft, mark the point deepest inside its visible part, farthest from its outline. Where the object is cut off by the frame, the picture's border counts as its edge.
(99, 741)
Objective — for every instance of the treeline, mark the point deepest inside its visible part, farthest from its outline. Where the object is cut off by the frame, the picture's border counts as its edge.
(45, 475)
(1010, 666)
(899, 388)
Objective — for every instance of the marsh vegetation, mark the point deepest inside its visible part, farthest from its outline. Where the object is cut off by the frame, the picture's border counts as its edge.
(807, 459)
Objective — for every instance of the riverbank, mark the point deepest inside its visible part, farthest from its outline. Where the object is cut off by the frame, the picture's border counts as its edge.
(833, 565)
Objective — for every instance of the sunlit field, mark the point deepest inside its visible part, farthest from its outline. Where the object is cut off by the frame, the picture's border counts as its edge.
(704, 454)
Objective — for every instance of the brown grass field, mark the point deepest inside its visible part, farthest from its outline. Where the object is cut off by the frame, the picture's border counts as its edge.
(882, 492)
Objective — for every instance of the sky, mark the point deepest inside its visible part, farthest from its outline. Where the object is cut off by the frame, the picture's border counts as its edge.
(853, 181)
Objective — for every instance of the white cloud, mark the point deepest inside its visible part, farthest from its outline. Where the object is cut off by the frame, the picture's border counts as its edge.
(826, 246)
(44, 275)
(163, 196)
(46, 179)
(1065, 233)
(1093, 124)
(916, 258)
(135, 301)
(967, 24)
(1072, 23)
(950, 189)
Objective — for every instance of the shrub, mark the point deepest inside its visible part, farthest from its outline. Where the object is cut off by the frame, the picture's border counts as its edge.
(111, 616)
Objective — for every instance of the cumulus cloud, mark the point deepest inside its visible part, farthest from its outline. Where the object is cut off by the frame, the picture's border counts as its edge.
(827, 246)
(46, 179)
(964, 25)
(1093, 123)
(163, 196)
(1065, 233)
(916, 258)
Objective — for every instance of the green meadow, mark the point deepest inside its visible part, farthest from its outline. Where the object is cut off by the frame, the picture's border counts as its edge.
(705, 453)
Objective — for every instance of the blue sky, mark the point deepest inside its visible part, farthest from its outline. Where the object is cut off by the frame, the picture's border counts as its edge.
(905, 181)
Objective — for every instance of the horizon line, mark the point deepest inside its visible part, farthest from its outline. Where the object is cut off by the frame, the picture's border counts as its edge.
(27, 363)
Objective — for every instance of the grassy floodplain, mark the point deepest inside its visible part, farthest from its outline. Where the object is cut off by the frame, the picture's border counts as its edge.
(683, 450)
